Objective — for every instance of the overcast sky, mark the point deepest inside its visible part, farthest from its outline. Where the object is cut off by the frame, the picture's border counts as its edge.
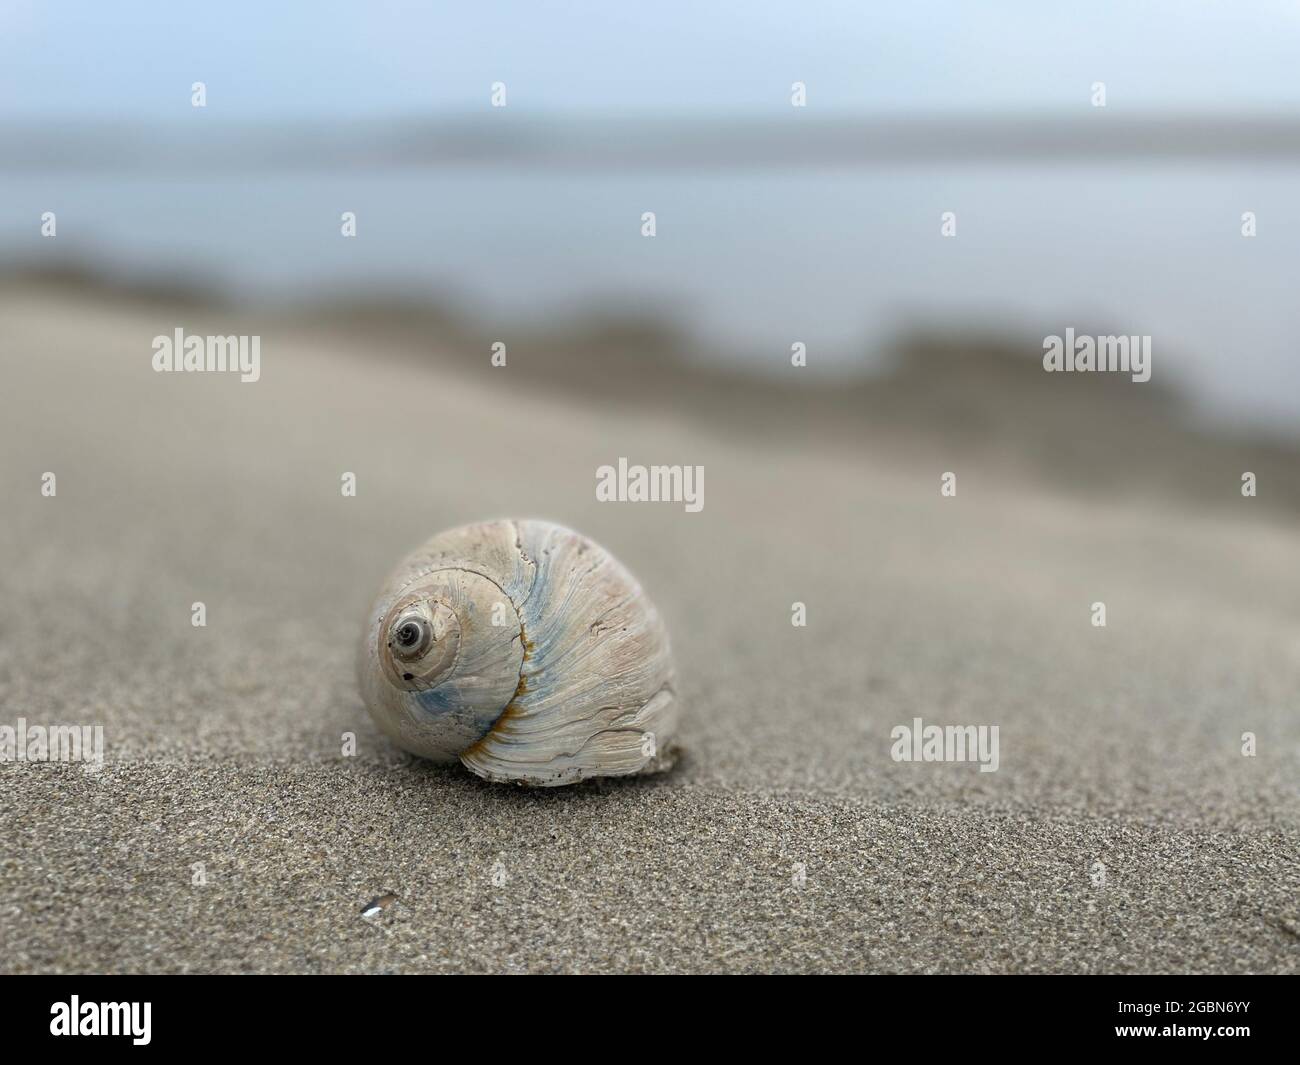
(136, 59)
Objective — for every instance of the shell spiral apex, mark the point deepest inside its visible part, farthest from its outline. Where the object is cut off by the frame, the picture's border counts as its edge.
(524, 650)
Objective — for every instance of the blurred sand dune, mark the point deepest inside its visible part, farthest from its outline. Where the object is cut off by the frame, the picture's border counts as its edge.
(979, 394)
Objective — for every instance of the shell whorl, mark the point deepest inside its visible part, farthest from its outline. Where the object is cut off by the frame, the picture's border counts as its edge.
(525, 650)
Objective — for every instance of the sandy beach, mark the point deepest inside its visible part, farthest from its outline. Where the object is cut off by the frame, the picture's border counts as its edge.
(1123, 831)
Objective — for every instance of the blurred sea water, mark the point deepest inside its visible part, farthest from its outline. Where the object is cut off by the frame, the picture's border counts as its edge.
(746, 261)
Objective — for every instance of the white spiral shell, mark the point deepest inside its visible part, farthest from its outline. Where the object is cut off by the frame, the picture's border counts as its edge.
(526, 651)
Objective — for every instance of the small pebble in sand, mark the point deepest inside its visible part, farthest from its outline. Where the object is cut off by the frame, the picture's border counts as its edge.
(377, 905)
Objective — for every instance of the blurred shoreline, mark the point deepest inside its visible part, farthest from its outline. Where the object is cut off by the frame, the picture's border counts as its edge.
(977, 397)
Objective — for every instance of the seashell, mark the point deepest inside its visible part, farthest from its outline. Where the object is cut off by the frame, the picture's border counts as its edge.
(526, 651)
